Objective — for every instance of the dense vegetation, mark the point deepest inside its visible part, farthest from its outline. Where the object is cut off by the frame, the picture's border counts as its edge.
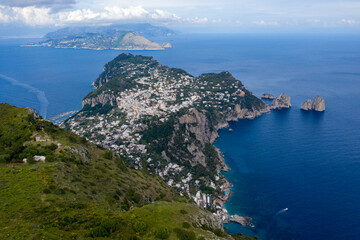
(84, 191)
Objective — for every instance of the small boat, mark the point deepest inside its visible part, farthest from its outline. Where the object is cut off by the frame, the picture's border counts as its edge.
(230, 130)
(282, 211)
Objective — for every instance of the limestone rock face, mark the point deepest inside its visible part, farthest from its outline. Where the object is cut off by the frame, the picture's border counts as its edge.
(103, 99)
(318, 104)
(307, 106)
(267, 96)
(282, 101)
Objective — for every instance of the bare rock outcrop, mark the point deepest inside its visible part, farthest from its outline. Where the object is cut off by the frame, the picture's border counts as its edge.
(267, 96)
(282, 101)
(34, 113)
(103, 99)
(307, 106)
(318, 104)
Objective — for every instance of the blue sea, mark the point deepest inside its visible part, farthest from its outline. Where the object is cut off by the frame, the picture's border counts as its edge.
(306, 162)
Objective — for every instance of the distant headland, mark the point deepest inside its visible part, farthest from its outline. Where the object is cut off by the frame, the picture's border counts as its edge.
(117, 37)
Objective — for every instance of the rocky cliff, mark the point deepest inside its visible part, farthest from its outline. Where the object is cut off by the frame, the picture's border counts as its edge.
(101, 99)
(283, 101)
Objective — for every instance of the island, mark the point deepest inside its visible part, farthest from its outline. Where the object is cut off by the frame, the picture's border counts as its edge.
(118, 37)
(164, 120)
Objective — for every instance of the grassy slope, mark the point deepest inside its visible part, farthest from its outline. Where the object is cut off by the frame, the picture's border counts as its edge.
(84, 192)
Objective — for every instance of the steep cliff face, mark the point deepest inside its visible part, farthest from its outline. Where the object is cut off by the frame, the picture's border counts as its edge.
(198, 127)
(101, 99)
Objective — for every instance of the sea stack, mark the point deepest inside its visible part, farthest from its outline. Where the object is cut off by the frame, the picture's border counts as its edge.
(282, 101)
(318, 104)
(267, 96)
(307, 106)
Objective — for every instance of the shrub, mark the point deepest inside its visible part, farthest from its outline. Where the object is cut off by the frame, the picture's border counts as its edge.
(184, 235)
(201, 238)
(186, 225)
(218, 232)
(106, 227)
(5, 158)
(108, 155)
(125, 205)
(31, 160)
(140, 226)
(46, 191)
(162, 233)
(182, 211)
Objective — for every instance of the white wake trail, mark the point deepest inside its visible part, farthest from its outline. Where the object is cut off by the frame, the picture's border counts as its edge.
(39, 94)
(282, 211)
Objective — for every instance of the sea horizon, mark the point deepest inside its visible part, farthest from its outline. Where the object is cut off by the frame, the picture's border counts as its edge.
(304, 161)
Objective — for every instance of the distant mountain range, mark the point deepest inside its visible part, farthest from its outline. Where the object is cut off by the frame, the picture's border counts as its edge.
(119, 37)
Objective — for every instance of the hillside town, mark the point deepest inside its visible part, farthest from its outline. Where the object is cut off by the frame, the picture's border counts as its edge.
(156, 94)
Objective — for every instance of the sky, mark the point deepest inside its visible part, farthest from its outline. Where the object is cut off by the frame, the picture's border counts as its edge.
(36, 17)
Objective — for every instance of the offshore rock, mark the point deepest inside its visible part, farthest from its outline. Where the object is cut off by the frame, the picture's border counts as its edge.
(282, 101)
(318, 104)
(267, 96)
(307, 106)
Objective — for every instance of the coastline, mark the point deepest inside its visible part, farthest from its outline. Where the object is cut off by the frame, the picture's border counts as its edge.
(223, 214)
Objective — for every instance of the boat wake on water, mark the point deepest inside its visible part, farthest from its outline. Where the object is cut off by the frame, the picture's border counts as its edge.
(282, 211)
(39, 94)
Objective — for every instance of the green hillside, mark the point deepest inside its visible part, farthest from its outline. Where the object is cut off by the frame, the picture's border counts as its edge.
(83, 191)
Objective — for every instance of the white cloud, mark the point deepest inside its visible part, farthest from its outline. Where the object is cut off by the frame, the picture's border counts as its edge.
(348, 21)
(266, 23)
(3, 17)
(29, 15)
(45, 16)
(199, 20)
(217, 20)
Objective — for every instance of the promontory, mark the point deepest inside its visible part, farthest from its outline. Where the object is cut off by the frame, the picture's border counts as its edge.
(164, 120)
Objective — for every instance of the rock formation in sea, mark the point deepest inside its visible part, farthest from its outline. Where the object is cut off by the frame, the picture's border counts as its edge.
(307, 106)
(267, 96)
(318, 104)
(282, 101)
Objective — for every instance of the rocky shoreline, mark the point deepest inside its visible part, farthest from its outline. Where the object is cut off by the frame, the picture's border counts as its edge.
(225, 217)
